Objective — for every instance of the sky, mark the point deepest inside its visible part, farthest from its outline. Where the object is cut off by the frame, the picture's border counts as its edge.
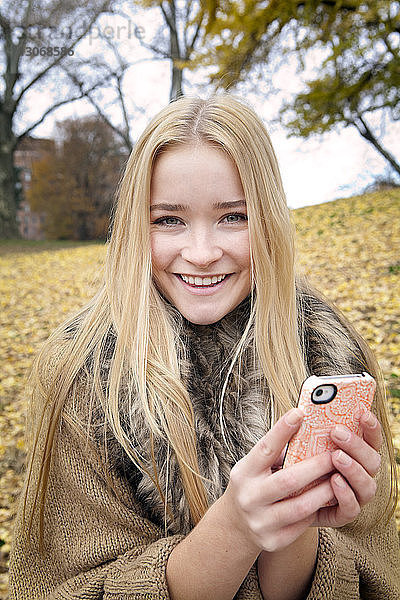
(323, 168)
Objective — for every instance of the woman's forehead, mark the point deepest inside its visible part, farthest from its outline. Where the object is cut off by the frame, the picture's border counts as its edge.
(185, 185)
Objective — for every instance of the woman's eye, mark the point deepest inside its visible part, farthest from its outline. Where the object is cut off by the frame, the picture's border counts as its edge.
(163, 220)
(166, 221)
(243, 217)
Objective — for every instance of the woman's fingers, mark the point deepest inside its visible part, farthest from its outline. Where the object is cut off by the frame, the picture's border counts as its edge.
(276, 525)
(372, 431)
(360, 449)
(361, 482)
(348, 508)
(267, 450)
(299, 508)
(291, 480)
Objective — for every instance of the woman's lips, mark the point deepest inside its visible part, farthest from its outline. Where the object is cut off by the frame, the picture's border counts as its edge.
(205, 290)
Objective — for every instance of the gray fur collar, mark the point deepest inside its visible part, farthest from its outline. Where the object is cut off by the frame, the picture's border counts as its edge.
(245, 418)
(246, 415)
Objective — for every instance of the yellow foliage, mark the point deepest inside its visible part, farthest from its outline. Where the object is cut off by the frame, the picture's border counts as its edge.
(38, 290)
(348, 248)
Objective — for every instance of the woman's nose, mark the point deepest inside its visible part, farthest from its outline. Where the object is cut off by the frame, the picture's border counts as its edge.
(201, 249)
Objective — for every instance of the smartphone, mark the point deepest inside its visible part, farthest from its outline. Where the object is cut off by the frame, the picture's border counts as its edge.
(328, 401)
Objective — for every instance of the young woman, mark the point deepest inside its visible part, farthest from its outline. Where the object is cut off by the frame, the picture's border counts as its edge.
(161, 410)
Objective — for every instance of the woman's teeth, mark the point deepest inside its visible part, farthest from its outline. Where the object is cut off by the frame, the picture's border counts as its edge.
(200, 281)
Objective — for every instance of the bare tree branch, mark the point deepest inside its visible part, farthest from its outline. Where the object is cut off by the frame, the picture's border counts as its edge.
(366, 132)
(61, 57)
(161, 53)
(168, 18)
(123, 133)
(83, 94)
(189, 47)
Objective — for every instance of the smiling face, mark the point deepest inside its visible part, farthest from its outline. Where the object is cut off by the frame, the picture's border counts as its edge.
(196, 237)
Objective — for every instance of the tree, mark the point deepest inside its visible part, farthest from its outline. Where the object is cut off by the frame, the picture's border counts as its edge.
(114, 68)
(74, 186)
(36, 37)
(358, 41)
(182, 29)
(186, 27)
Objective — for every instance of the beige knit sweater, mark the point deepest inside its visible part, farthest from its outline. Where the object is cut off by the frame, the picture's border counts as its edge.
(110, 545)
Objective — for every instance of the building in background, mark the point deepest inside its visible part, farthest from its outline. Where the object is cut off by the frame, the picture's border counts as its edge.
(29, 151)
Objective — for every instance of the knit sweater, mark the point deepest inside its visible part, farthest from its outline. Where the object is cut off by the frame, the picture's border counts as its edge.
(113, 542)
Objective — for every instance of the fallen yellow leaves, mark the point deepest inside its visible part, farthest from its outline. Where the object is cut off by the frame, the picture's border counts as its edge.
(40, 285)
(349, 249)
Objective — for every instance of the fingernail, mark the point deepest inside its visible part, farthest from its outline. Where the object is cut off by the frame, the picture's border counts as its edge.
(341, 433)
(371, 420)
(294, 417)
(343, 458)
(340, 481)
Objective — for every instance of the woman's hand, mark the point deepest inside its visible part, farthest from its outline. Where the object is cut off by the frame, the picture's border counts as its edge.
(259, 497)
(356, 463)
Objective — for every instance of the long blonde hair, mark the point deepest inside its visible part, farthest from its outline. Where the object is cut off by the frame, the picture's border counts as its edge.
(147, 344)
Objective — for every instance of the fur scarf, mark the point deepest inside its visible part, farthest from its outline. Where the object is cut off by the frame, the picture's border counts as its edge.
(246, 410)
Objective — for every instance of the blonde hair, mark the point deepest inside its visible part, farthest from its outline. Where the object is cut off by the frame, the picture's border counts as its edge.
(147, 347)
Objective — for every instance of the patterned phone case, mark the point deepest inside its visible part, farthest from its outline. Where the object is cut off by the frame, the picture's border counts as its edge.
(354, 393)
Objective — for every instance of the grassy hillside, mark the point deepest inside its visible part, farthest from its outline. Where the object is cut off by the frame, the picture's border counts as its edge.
(349, 249)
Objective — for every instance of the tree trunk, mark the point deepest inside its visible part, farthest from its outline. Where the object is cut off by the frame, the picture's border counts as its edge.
(176, 83)
(8, 203)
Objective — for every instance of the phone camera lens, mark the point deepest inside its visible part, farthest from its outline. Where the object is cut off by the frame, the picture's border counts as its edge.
(323, 394)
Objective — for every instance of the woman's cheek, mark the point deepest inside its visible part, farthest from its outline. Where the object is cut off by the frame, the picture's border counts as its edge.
(162, 251)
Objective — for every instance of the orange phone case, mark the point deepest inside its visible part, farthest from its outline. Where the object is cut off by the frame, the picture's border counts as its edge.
(353, 393)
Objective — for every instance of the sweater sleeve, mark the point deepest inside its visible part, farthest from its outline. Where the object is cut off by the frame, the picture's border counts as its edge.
(362, 559)
(250, 588)
(97, 543)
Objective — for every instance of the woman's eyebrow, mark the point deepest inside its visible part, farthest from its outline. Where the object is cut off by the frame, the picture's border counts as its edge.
(216, 205)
